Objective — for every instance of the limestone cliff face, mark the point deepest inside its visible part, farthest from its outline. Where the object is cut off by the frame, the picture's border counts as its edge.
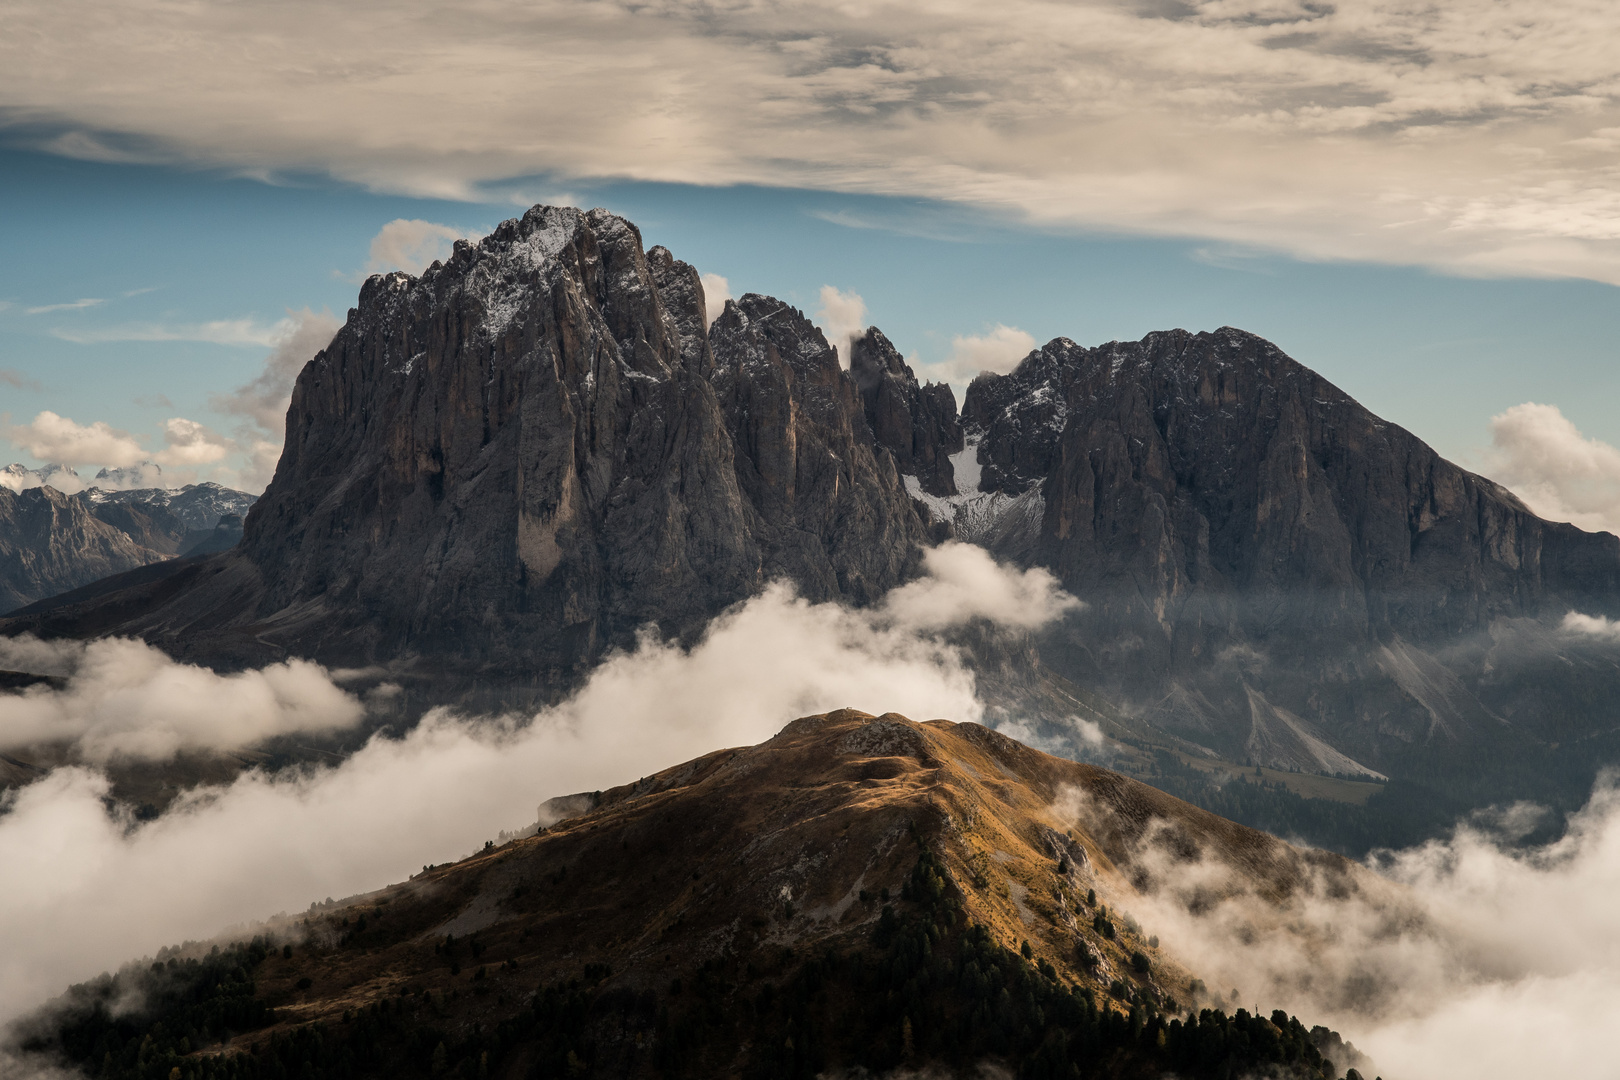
(511, 456)
(916, 423)
(832, 513)
(50, 543)
(515, 461)
(1264, 559)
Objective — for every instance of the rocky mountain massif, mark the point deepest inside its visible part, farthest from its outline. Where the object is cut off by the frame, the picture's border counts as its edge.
(555, 437)
(857, 893)
(1273, 571)
(547, 431)
(51, 542)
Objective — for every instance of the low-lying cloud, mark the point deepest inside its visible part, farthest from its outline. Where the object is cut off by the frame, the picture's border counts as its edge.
(963, 583)
(125, 700)
(1592, 626)
(1465, 957)
(87, 889)
(1561, 474)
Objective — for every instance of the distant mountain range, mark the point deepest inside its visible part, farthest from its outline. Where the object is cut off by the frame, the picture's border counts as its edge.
(503, 468)
(52, 543)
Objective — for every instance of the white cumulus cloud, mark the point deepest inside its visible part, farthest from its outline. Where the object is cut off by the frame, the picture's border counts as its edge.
(54, 438)
(999, 350)
(842, 318)
(1561, 474)
(964, 583)
(412, 245)
(716, 291)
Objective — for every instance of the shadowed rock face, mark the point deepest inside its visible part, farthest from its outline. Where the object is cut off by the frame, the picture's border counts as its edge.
(832, 511)
(514, 461)
(917, 424)
(1264, 560)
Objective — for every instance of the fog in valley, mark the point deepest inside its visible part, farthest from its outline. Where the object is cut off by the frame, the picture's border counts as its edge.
(1467, 957)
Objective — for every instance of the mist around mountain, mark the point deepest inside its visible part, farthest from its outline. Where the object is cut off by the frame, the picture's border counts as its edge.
(857, 892)
(543, 520)
(567, 446)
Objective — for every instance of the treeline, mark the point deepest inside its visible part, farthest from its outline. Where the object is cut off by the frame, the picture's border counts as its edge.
(927, 989)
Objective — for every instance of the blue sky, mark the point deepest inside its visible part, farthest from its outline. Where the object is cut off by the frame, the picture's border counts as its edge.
(173, 248)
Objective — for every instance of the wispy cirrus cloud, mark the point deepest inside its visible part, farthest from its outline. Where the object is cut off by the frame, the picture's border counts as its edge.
(71, 305)
(245, 331)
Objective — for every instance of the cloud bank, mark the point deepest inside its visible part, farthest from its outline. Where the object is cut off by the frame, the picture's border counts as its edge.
(1476, 135)
(87, 890)
(125, 700)
(1466, 957)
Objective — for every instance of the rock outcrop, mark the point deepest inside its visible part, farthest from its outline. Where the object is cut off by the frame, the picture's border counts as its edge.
(916, 423)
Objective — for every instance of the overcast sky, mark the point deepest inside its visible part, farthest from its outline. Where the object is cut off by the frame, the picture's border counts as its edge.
(1418, 200)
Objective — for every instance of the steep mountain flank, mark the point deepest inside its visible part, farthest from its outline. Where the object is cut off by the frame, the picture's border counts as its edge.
(511, 463)
(858, 892)
(915, 423)
(50, 543)
(1269, 567)
(832, 512)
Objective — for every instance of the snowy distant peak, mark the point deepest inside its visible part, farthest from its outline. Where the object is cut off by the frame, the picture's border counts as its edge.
(148, 474)
(197, 506)
(18, 478)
